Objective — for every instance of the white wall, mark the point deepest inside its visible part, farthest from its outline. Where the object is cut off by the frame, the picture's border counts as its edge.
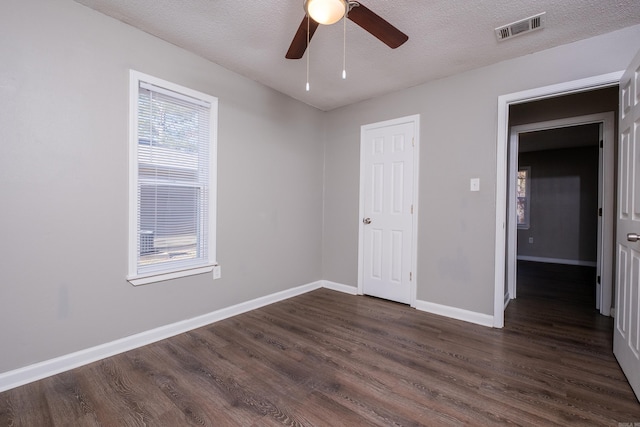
(458, 135)
(64, 73)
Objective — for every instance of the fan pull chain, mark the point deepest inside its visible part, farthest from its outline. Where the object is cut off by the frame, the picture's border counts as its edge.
(308, 53)
(344, 47)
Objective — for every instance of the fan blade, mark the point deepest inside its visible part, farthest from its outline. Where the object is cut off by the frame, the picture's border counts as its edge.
(299, 42)
(378, 27)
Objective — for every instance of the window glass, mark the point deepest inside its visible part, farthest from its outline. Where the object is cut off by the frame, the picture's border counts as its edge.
(522, 197)
(173, 190)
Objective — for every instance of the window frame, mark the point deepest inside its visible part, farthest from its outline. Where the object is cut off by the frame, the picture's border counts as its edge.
(171, 272)
(527, 197)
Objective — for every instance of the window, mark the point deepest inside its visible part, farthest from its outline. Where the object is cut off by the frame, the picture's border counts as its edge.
(172, 189)
(523, 199)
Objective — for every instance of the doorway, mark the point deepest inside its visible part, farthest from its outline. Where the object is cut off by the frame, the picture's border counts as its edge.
(568, 217)
(505, 102)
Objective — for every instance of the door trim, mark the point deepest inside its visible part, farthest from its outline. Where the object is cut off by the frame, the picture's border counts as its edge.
(415, 120)
(606, 178)
(502, 145)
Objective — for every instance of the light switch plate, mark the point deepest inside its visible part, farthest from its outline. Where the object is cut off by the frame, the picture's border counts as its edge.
(474, 184)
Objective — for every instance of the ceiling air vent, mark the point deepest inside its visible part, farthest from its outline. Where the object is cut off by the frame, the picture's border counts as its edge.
(521, 27)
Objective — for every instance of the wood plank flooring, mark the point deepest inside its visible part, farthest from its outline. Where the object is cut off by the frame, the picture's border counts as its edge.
(330, 359)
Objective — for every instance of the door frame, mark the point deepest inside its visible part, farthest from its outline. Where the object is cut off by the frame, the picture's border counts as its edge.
(606, 180)
(415, 120)
(502, 168)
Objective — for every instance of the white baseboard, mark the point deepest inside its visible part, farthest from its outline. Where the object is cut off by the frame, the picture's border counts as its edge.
(455, 313)
(351, 290)
(557, 260)
(47, 368)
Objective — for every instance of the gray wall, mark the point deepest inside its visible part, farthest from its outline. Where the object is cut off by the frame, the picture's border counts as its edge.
(456, 241)
(564, 204)
(64, 73)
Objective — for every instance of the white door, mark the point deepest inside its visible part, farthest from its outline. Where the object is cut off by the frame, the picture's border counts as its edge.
(387, 210)
(626, 334)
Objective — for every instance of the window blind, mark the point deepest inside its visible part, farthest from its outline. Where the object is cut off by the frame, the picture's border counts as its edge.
(173, 132)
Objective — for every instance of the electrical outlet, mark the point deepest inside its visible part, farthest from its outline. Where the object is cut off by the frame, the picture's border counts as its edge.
(530, 239)
(474, 184)
(217, 272)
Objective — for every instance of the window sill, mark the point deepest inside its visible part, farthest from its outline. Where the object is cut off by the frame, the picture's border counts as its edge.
(161, 277)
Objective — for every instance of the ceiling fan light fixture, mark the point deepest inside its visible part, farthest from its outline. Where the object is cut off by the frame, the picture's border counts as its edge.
(326, 12)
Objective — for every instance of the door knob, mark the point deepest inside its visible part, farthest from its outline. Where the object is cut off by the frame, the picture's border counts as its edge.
(366, 220)
(633, 237)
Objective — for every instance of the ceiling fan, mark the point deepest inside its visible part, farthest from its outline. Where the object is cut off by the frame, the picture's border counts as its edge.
(330, 12)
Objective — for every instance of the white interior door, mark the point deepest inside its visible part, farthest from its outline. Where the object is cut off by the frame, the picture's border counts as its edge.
(626, 335)
(387, 208)
(600, 243)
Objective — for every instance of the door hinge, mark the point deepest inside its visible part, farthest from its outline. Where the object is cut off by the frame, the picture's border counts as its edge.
(598, 280)
(411, 209)
(413, 142)
(410, 276)
(599, 211)
(601, 144)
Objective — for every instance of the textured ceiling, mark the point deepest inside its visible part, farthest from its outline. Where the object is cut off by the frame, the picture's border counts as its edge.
(445, 37)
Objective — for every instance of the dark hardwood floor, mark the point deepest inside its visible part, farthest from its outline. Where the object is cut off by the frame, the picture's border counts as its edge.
(329, 359)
